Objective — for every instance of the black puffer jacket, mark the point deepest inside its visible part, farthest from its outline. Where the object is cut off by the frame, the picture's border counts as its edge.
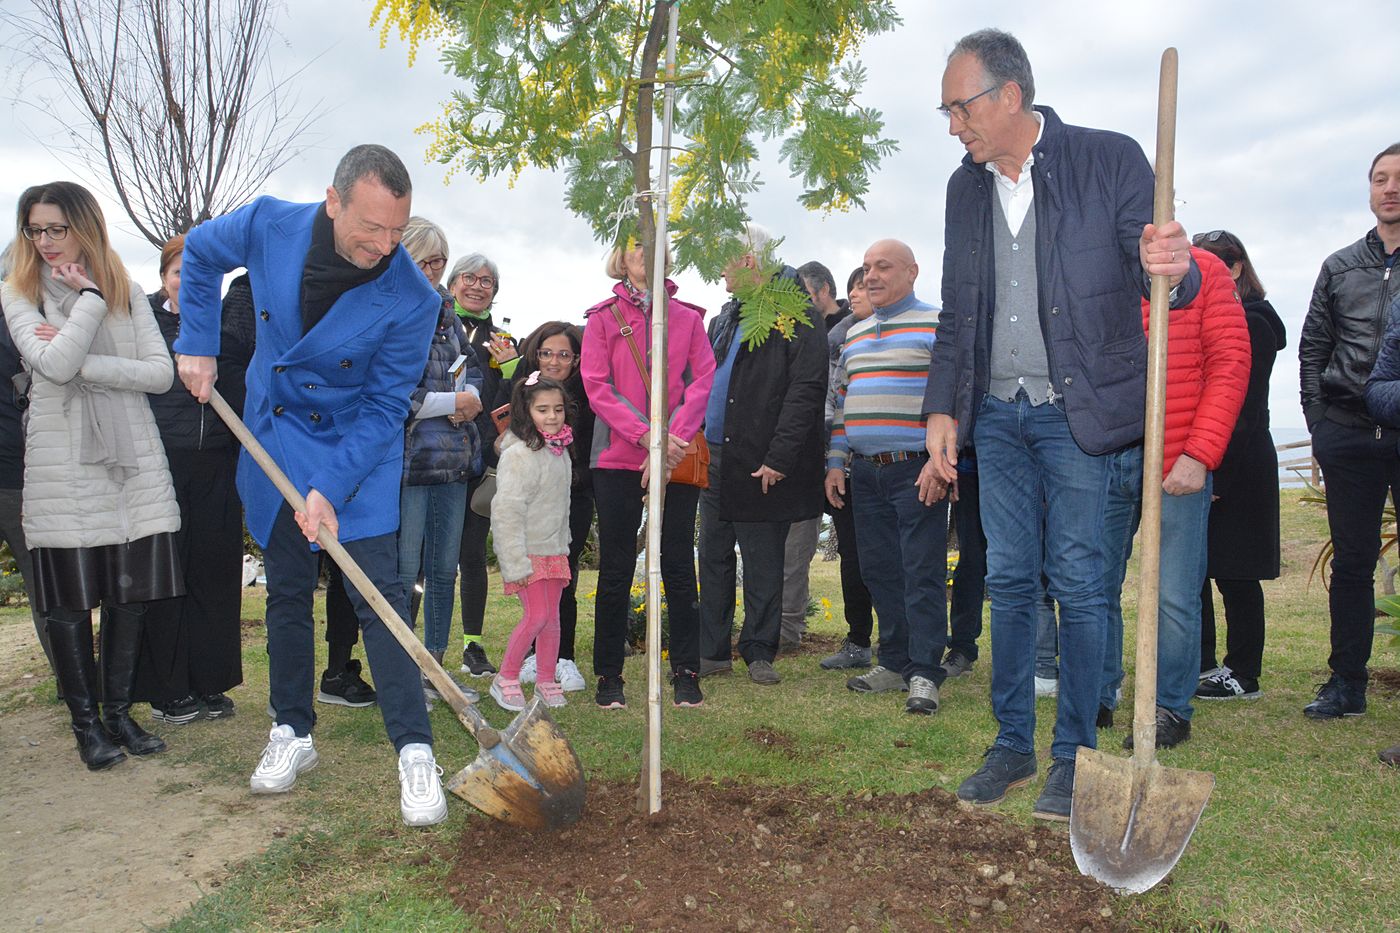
(479, 338)
(1342, 332)
(435, 449)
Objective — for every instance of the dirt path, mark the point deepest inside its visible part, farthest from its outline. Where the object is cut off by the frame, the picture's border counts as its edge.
(122, 849)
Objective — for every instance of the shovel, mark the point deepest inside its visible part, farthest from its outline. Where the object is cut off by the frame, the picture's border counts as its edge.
(527, 775)
(1131, 819)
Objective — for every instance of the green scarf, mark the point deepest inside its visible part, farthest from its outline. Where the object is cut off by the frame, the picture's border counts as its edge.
(473, 315)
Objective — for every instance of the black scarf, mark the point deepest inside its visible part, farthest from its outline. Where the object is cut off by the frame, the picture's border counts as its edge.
(326, 276)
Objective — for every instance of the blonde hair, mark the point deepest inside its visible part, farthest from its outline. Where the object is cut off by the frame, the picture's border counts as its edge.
(617, 269)
(86, 224)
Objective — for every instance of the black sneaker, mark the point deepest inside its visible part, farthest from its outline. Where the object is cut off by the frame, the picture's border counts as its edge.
(610, 692)
(1336, 699)
(956, 664)
(1104, 720)
(347, 688)
(475, 662)
(1058, 793)
(177, 712)
(216, 706)
(1225, 684)
(1172, 730)
(1002, 769)
(685, 684)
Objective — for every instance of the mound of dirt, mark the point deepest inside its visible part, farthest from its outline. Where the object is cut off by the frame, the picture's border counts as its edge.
(726, 856)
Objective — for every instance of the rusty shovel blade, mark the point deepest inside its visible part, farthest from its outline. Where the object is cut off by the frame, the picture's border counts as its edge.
(531, 778)
(1127, 825)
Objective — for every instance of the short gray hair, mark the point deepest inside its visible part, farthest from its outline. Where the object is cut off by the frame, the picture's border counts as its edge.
(424, 239)
(374, 161)
(475, 262)
(1002, 58)
(756, 240)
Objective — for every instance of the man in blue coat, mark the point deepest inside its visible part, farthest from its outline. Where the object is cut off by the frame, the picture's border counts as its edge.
(344, 320)
(1040, 364)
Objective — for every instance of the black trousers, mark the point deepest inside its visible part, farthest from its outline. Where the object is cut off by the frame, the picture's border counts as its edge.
(970, 577)
(580, 521)
(472, 562)
(860, 615)
(342, 628)
(1359, 467)
(619, 496)
(191, 645)
(1244, 632)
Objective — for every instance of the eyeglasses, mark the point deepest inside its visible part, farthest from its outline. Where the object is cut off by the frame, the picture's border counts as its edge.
(434, 265)
(959, 107)
(563, 356)
(55, 231)
(485, 281)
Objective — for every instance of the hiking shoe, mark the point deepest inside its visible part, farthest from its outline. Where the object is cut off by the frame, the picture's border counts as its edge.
(879, 679)
(421, 800)
(685, 687)
(282, 760)
(346, 688)
(762, 673)
(849, 655)
(710, 667)
(1047, 686)
(956, 664)
(609, 695)
(1390, 756)
(1336, 699)
(178, 712)
(1058, 792)
(1104, 720)
(923, 696)
(216, 706)
(1002, 769)
(431, 693)
(1172, 730)
(1225, 685)
(527, 670)
(507, 693)
(550, 693)
(475, 662)
(568, 675)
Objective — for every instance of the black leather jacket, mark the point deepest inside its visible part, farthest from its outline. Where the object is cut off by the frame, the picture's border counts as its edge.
(1342, 332)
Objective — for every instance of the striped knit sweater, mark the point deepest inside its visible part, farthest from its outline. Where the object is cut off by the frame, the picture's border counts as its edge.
(880, 382)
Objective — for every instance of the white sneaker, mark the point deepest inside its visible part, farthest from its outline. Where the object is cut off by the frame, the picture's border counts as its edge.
(420, 786)
(285, 757)
(568, 675)
(527, 671)
(1213, 672)
(1047, 687)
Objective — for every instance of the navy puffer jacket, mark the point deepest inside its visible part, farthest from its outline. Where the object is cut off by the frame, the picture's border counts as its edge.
(435, 449)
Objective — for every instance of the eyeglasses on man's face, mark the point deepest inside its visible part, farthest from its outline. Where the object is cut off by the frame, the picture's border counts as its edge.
(432, 265)
(485, 281)
(56, 232)
(958, 108)
(563, 356)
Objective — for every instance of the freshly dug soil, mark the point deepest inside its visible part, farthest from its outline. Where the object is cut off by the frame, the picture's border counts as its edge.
(727, 856)
(1385, 681)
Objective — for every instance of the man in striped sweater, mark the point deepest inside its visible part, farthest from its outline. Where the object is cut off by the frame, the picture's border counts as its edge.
(903, 515)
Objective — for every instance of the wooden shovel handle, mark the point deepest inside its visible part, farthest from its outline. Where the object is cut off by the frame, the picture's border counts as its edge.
(1149, 564)
(470, 716)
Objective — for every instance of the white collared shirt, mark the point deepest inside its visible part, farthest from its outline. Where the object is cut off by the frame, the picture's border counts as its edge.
(1016, 195)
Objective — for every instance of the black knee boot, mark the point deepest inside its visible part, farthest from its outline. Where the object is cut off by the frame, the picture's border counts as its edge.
(121, 642)
(70, 636)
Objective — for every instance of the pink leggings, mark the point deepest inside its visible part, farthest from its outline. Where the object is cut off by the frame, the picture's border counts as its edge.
(539, 623)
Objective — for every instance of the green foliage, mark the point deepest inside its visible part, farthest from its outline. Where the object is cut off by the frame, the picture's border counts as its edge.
(771, 304)
(567, 86)
(1390, 606)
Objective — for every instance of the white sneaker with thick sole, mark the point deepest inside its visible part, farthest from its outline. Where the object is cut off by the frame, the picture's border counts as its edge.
(569, 676)
(527, 671)
(285, 757)
(420, 786)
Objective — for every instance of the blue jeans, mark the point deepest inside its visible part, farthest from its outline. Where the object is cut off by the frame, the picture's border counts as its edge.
(430, 538)
(1042, 509)
(1185, 520)
(906, 570)
(292, 571)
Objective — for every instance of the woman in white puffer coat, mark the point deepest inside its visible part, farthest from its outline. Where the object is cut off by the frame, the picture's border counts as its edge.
(99, 510)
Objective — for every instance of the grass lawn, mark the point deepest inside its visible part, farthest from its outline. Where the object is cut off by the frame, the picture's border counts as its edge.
(1302, 832)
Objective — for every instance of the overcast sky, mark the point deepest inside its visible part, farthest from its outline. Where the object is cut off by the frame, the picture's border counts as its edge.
(1282, 106)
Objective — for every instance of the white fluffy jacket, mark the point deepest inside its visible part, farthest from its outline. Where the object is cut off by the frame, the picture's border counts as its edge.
(67, 503)
(530, 511)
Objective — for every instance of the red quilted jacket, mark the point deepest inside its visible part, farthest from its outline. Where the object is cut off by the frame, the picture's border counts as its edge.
(1207, 367)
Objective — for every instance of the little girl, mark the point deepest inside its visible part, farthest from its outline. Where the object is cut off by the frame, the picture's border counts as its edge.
(530, 531)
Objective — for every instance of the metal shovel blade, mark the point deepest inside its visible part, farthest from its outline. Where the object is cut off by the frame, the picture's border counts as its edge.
(531, 778)
(1129, 826)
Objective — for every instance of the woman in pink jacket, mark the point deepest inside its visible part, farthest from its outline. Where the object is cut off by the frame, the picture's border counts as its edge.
(618, 392)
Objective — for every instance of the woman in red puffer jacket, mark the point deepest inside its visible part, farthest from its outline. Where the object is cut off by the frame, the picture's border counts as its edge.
(1208, 362)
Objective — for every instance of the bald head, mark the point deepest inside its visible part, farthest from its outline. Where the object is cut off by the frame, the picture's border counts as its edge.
(890, 271)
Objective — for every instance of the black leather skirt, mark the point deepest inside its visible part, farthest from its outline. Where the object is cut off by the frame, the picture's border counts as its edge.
(82, 578)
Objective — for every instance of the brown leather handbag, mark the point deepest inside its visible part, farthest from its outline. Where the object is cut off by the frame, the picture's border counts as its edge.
(694, 468)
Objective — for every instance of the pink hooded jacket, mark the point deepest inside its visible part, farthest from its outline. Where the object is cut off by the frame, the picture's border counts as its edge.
(614, 384)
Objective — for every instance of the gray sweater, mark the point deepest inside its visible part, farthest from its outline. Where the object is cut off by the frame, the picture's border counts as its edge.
(530, 511)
